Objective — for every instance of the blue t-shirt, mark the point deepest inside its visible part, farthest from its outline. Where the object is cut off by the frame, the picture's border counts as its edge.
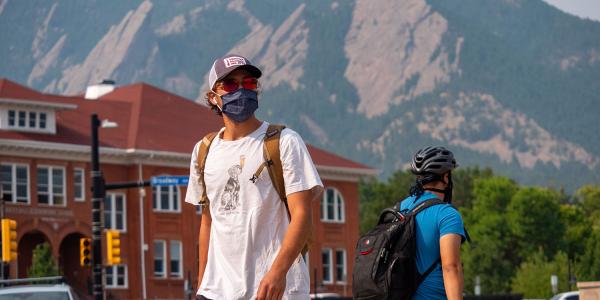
(432, 223)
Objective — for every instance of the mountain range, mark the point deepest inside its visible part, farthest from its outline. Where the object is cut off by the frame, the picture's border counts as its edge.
(509, 84)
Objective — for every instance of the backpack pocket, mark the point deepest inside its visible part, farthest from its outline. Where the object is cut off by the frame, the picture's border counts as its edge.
(402, 285)
(370, 264)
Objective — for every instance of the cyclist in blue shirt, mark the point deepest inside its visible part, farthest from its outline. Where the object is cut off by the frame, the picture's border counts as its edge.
(439, 228)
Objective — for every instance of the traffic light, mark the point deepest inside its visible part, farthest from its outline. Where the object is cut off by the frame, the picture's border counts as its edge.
(113, 247)
(85, 252)
(9, 240)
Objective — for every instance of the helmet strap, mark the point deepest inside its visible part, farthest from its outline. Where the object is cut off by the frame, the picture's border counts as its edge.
(447, 191)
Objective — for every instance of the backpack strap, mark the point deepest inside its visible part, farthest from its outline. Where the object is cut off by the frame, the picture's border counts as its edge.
(426, 204)
(272, 158)
(201, 159)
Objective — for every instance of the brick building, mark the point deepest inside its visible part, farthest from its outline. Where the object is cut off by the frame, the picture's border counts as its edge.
(44, 174)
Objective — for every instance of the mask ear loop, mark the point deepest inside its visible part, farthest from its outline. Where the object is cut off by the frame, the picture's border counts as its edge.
(217, 103)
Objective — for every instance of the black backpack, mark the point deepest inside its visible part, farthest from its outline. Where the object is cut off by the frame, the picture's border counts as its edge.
(384, 263)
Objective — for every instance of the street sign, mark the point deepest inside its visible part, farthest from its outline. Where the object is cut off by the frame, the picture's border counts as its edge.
(169, 180)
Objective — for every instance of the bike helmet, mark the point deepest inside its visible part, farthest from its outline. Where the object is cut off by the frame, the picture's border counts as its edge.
(433, 160)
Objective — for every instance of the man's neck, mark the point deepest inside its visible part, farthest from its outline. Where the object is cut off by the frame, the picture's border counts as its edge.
(435, 186)
(235, 131)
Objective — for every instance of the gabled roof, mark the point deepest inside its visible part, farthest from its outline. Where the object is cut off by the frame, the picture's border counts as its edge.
(148, 118)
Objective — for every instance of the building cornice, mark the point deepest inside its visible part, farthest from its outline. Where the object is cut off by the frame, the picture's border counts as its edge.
(72, 152)
(37, 104)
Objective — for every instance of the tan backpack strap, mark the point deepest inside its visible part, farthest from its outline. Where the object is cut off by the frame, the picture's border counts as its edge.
(273, 159)
(274, 165)
(202, 154)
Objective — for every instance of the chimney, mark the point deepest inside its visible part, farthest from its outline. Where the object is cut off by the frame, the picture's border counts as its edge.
(96, 91)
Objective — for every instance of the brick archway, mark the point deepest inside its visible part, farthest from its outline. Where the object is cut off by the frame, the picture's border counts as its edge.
(27, 243)
(75, 275)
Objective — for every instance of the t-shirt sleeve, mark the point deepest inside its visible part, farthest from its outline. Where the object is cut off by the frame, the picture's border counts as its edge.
(450, 221)
(194, 189)
(299, 171)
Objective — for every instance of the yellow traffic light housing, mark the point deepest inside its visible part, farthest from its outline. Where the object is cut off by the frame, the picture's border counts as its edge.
(113, 247)
(9, 240)
(85, 252)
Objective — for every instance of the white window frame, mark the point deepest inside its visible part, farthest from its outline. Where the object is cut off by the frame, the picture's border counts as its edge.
(344, 266)
(174, 196)
(180, 263)
(113, 212)
(338, 206)
(114, 276)
(13, 183)
(329, 252)
(50, 183)
(164, 259)
(82, 187)
(26, 120)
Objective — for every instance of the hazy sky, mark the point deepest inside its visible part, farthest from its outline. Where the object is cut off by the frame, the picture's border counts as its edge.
(583, 8)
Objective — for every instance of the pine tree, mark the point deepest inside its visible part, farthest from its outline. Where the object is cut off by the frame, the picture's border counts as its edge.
(43, 264)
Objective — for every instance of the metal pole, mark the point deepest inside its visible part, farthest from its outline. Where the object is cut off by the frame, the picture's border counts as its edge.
(98, 196)
(142, 193)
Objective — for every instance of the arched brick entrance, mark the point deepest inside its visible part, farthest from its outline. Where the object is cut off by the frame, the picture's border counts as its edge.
(25, 249)
(75, 275)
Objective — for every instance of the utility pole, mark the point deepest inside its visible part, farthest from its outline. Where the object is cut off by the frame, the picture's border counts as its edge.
(98, 195)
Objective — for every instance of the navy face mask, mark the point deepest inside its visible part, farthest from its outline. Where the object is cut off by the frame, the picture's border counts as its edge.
(240, 105)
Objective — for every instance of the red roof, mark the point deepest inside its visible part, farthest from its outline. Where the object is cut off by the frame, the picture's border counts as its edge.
(149, 118)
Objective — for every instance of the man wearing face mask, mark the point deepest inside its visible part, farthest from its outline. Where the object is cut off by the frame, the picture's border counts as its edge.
(249, 246)
(439, 228)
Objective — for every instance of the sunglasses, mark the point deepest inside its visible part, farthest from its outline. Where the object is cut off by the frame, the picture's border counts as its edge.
(232, 85)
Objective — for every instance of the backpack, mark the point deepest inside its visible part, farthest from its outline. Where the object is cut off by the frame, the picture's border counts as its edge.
(272, 163)
(384, 262)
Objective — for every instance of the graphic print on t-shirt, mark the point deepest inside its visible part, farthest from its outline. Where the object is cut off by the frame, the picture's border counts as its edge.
(230, 199)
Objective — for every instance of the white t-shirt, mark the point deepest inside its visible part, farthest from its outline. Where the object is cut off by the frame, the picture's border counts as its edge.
(249, 220)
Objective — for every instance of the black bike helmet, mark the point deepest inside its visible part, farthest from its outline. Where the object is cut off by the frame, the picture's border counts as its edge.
(433, 160)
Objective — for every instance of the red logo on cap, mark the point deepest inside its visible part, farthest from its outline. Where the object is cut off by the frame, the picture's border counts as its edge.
(234, 61)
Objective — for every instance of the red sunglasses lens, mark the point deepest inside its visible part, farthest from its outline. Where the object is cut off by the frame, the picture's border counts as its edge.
(250, 83)
(230, 85)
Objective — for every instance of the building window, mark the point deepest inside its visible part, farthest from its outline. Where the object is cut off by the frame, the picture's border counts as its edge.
(176, 261)
(166, 198)
(51, 188)
(14, 179)
(332, 206)
(32, 119)
(160, 262)
(116, 276)
(11, 118)
(340, 266)
(42, 120)
(27, 119)
(327, 265)
(79, 184)
(22, 118)
(114, 211)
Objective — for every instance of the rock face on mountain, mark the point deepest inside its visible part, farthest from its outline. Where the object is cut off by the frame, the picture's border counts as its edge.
(513, 85)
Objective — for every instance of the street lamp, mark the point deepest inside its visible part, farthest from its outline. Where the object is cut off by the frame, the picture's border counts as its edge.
(98, 195)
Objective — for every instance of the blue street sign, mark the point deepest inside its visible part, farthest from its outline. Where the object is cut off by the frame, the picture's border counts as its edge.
(169, 180)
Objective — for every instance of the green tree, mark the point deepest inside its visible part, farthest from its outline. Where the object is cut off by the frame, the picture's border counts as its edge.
(578, 229)
(588, 266)
(491, 253)
(588, 198)
(376, 195)
(535, 221)
(43, 264)
(533, 276)
(463, 180)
